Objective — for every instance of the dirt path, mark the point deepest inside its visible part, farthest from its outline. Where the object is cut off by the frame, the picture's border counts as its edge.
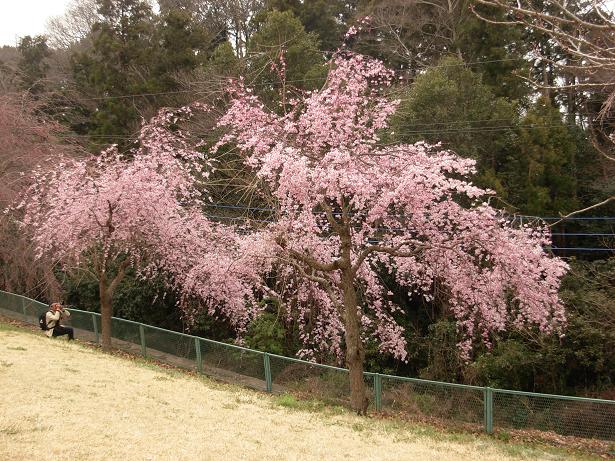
(85, 405)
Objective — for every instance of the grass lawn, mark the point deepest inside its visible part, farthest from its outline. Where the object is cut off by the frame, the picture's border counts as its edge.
(64, 400)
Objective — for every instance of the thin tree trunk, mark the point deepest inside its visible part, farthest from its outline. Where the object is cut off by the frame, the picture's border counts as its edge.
(106, 299)
(354, 347)
(106, 312)
(355, 354)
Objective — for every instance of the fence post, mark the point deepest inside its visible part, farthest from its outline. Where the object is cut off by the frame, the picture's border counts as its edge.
(268, 380)
(378, 391)
(23, 308)
(199, 358)
(142, 335)
(95, 324)
(488, 404)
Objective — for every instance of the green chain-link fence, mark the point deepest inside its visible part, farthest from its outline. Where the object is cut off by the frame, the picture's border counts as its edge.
(433, 399)
(457, 403)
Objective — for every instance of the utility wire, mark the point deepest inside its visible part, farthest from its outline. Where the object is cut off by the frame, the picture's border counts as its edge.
(549, 247)
(581, 234)
(581, 249)
(469, 130)
(546, 218)
(275, 82)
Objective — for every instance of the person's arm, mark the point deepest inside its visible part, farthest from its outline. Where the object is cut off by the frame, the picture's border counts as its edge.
(65, 313)
(53, 316)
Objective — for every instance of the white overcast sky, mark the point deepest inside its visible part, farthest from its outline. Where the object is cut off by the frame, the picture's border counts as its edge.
(26, 17)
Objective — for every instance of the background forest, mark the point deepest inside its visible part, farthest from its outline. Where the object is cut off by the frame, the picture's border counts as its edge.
(107, 65)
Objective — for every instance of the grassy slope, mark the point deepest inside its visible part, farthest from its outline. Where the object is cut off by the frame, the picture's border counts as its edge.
(88, 405)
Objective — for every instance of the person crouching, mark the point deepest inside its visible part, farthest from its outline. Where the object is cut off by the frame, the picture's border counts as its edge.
(55, 314)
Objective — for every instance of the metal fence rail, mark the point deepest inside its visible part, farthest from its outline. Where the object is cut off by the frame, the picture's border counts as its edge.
(489, 408)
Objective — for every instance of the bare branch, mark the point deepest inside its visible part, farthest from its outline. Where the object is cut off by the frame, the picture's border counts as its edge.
(313, 263)
(324, 283)
(121, 272)
(587, 35)
(393, 251)
(591, 207)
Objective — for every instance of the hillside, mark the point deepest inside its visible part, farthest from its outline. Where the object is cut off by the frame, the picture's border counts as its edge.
(82, 404)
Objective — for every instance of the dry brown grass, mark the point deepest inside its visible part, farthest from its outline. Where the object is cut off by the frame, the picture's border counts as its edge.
(85, 405)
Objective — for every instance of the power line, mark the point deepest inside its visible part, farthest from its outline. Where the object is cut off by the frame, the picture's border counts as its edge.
(548, 247)
(572, 218)
(486, 129)
(468, 130)
(581, 249)
(437, 128)
(274, 82)
(458, 122)
(237, 218)
(581, 234)
(136, 95)
(239, 207)
(546, 218)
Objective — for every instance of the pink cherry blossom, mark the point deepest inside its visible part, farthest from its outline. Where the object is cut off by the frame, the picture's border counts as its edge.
(351, 208)
(348, 209)
(141, 208)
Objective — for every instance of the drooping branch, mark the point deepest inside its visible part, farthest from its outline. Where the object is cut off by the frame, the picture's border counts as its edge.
(323, 282)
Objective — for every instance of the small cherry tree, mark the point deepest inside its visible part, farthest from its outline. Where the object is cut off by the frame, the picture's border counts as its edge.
(351, 209)
(141, 208)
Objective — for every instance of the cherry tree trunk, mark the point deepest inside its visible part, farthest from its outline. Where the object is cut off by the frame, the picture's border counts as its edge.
(106, 312)
(355, 354)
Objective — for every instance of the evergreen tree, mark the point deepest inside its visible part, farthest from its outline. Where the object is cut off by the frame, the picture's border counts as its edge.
(224, 61)
(450, 104)
(497, 53)
(116, 65)
(33, 64)
(136, 52)
(541, 172)
(184, 44)
(285, 55)
(326, 18)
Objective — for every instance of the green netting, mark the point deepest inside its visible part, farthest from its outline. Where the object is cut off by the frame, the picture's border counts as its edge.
(578, 417)
(125, 334)
(82, 320)
(233, 363)
(33, 309)
(11, 314)
(10, 301)
(170, 347)
(328, 384)
(20, 307)
(426, 399)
